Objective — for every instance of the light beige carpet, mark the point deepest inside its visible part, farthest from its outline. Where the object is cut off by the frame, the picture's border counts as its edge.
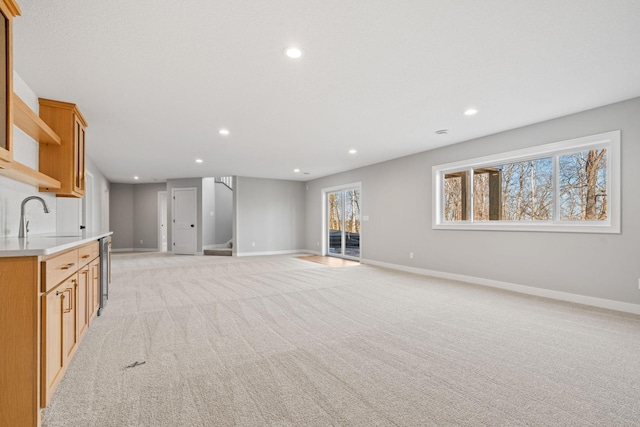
(278, 341)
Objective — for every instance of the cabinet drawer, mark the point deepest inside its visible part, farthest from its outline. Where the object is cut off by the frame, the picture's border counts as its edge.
(58, 268)
(88, 253)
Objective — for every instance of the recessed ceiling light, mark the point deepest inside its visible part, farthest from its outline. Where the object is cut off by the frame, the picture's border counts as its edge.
(293, 52)
(198, 160)
(470, 112)
(352, 151)
(224, 131)
(296, 170)
(135, 177)
(442, 132)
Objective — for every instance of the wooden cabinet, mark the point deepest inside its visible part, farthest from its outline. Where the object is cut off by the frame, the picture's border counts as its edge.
(84, 298)
(64, 162)
(8, 9)
(94, 291)
(59, 333)
(69, 282)
(45, 307)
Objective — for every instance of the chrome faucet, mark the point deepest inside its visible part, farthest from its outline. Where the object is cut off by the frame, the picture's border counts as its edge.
(24, 226)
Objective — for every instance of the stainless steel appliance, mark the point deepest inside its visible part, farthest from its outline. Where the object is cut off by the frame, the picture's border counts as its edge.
(105, 263)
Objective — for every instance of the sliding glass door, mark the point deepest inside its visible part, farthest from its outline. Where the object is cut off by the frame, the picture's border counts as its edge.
(343, 223)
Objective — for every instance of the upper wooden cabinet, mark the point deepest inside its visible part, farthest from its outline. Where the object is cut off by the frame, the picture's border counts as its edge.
(64, 162)
(8, 9)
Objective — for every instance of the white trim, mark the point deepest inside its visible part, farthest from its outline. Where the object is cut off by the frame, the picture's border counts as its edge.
(523, 289)
(289, 252)
(325, 238)
(612, 225)
(135, 250)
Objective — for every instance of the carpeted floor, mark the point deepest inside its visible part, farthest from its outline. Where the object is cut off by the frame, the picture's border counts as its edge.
(278, 341)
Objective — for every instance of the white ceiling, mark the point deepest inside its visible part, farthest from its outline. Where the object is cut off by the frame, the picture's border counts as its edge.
(157, 79)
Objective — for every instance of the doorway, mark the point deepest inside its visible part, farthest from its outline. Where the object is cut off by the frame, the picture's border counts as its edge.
(184, 232)
(88, 220)
(343, 222)
(162, 221)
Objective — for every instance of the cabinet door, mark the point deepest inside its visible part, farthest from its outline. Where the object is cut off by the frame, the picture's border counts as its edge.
(69, 319)
(52, 338)
(95, 283)
(6, 87)
(84, 301)
(79, 157)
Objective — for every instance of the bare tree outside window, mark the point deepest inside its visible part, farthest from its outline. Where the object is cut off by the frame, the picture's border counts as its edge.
(583, 186)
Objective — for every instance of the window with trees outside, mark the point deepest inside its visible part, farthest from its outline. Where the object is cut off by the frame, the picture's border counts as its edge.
(567, 186)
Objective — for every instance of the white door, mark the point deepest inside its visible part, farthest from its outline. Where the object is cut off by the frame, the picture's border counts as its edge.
(162, 221)
(185, 231)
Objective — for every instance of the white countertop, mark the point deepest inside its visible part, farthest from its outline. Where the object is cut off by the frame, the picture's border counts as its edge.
(45, 244)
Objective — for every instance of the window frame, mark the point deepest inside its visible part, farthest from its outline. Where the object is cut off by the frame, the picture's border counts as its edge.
(609, 140)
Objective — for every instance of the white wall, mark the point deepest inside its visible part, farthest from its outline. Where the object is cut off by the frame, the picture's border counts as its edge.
(63, 211)
(396, 195)
(269, 214)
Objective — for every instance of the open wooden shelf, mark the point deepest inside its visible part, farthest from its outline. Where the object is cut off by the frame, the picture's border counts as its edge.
(23, 173)
(27, 120)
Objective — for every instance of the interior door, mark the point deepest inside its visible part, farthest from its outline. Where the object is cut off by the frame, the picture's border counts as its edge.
(162, 221)
(343, 223)
(185, 230)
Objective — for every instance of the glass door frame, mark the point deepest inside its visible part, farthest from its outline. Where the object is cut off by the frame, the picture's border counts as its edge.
(325, 219)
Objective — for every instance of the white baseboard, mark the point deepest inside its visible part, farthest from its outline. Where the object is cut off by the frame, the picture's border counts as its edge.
(135, 250)
(289, 252)
(529, 290)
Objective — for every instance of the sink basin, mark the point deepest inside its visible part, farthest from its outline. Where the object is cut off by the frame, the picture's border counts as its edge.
(60, 236)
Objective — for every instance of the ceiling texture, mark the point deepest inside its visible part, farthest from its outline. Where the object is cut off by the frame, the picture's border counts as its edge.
(157, 79)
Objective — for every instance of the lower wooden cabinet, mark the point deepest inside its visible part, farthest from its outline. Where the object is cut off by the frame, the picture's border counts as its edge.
(94, 293)
(47, 302)
(84, 294)
(60, 333)
(67, 310)
(52, 342)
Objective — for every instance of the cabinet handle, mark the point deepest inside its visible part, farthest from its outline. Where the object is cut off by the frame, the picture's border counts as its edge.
(68, 266)
(85, 256)
(68, 310)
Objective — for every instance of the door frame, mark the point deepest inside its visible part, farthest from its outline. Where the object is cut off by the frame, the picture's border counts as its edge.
(325, 228)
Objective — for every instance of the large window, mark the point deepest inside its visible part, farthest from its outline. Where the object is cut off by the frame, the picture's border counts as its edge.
(565, 186)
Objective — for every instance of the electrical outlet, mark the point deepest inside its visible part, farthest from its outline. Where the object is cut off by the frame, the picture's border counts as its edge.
(638, 283)
(253, 244)
(317, 243)
(140, 241)
(410, 255)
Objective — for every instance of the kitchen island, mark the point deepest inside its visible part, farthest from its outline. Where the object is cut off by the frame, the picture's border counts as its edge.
(50, 291)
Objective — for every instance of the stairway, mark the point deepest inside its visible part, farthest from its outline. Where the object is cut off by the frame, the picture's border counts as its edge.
(218, 251)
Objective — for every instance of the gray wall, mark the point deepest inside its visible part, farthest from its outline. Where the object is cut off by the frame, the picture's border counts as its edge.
(269, 213)
(62, 210)
(134, 216)
(209, 212)
(224, 214)
(185, 183)
(396, 195)
(145, 215)
(121, 215)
